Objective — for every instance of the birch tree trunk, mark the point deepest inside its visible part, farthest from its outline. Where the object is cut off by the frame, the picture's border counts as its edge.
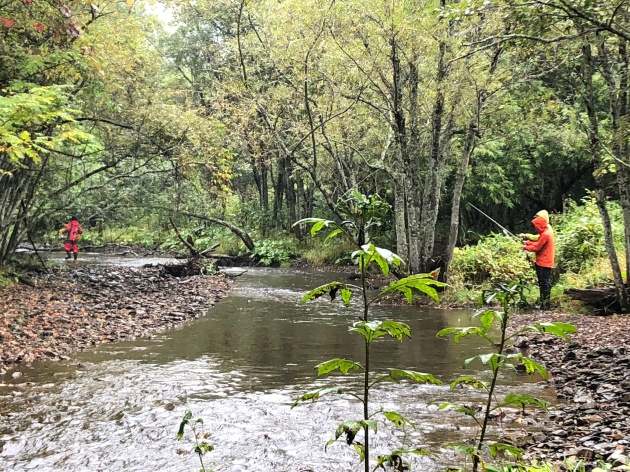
(458, 187)
(433, 181)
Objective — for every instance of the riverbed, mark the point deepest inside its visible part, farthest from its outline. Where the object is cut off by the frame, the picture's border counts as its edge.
(118, 406)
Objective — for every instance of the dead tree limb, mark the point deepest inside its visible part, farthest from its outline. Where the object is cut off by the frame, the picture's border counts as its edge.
(191, 248)
(235, 229)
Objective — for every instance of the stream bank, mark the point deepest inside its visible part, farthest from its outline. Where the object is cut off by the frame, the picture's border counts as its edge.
(88, 305)
(74, 309)
(590, 375)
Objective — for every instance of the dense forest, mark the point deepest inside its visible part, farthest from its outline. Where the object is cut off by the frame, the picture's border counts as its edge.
(259, 113)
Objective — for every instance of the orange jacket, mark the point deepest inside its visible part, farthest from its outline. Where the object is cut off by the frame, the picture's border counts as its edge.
(74, 230)
(544, 247)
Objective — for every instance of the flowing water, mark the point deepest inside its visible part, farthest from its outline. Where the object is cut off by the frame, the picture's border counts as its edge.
(118, 407)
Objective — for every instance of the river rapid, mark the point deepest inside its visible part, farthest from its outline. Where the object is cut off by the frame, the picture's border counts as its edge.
(118, 407)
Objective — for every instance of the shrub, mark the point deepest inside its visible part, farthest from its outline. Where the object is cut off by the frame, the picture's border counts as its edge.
(272, 252)
(580, 235)
(494, 259)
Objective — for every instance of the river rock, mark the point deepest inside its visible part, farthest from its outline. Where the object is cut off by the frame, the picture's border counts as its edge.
(591, 373)
(79, 308)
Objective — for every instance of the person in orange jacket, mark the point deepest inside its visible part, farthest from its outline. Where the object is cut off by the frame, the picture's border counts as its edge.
(73, 230)
(543, 247)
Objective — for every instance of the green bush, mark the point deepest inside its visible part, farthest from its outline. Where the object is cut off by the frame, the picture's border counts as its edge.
(272, 252)
(580, 235)
(494, 259)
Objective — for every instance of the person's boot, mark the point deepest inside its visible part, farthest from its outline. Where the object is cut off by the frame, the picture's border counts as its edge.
(75, 255)
(545, 305)
(68, 255)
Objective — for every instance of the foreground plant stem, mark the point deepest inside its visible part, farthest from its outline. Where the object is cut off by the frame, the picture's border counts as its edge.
(366, 382)
(495, 374)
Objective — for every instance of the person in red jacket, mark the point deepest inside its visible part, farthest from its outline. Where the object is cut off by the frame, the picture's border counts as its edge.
(73, 230)
(544, 249)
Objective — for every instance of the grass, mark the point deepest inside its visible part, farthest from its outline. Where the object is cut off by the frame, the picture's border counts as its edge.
(320, 254)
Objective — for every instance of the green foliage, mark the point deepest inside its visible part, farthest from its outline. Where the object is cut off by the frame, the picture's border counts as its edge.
(7, 277)
(493, 330)
(201, 446)
(494, 259)
(580, 234)
(272, 252)
(365, 213)
(29, 112)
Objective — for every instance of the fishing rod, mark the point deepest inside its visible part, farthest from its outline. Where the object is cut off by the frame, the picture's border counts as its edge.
(505, 231)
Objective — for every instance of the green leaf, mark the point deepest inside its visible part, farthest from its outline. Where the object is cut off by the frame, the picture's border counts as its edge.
(315, 395)
(203, 447)
(343, 365)
(422, 283)
(376, 256)
(497, 447)
(522, 401)
(487, 319)
(531, 367)
(330, 288)
(558, 329)
(467, 380)
(346, 295)
(360, 450)
(463, 449)
(372, 330)
(493, 360)
(317, 226)
(185, 420)
(396, 375)
(333, 233)
(462, 332)
(459, 408)
(394, 459)
(398, 419)
(351, 428)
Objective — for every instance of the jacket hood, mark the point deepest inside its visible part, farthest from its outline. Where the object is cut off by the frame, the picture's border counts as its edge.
(540, 224)
(544, 214)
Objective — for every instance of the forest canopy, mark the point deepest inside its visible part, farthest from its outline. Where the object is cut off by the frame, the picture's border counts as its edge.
(265, 112)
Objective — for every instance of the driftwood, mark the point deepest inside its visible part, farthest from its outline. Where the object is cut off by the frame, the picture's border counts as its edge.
(197, 262)
(604, 299)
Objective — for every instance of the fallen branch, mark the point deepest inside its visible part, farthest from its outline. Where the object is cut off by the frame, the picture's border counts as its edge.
(235, 229)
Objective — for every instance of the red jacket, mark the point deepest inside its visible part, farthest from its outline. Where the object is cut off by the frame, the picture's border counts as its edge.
(544, 247)
(74, 230)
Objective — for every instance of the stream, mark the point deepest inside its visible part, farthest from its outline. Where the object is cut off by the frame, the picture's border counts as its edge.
(118, 406)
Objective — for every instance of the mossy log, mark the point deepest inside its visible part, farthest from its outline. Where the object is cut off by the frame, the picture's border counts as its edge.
(603, 299)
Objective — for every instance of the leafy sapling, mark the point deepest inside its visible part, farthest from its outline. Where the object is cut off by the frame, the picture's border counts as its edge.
(508, 297)
(201, 446)
(366, 211)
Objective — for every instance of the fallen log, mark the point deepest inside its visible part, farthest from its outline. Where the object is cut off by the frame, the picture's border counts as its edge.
(603, 299)
(193, 266)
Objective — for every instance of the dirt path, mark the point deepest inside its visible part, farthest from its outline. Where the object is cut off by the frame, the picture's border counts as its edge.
(75, 309)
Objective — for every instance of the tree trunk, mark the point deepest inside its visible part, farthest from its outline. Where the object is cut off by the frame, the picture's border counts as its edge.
(279, 190)
(590, 101)
(460, 178)
(400, 221)
(623, 170)
(433, 181)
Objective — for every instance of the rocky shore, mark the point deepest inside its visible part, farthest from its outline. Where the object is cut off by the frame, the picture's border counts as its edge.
(591, 374)
(74, 309)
